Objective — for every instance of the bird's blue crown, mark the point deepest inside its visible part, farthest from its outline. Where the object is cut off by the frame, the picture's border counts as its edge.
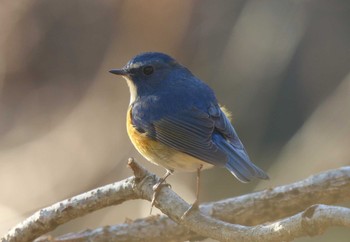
(149, 58)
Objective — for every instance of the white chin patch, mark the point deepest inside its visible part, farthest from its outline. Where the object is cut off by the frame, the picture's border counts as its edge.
(132, 88)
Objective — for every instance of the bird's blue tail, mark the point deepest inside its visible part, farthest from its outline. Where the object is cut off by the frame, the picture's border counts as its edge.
(239, 163)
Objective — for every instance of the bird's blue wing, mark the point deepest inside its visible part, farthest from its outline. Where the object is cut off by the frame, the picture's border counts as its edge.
(208, 137)
(190, 132)
(239, 163)
(224, 126)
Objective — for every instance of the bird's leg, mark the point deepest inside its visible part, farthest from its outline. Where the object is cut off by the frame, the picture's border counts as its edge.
(195, 204)
(158, 186)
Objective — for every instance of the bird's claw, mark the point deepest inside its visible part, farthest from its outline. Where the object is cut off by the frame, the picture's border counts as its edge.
(156, 189)
(158, 186)
(192, 208)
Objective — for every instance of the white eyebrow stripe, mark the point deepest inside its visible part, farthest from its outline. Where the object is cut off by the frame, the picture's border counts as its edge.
(135, 65)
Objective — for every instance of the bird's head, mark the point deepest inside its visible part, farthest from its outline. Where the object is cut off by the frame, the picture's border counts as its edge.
(149, 72)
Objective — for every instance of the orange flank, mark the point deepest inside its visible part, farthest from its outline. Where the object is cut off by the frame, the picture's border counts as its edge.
(161, 154)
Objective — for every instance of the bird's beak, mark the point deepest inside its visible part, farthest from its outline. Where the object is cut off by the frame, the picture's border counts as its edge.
(121, 72)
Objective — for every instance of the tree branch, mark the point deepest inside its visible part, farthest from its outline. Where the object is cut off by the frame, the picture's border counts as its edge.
(47, 219)
(313, 221)
(329, 187)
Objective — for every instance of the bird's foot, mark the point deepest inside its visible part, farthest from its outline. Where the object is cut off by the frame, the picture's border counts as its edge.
(159, 185)
(193, 207)
(156, 189)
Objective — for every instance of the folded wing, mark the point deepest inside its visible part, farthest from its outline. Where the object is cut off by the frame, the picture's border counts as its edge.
(208, 136)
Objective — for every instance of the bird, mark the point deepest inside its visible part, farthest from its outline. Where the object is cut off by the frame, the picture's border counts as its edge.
(175, 121)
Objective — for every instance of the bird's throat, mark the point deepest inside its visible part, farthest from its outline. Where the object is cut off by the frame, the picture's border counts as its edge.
(133, 90)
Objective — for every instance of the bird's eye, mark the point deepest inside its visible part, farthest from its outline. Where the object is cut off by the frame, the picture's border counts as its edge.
(147, 70)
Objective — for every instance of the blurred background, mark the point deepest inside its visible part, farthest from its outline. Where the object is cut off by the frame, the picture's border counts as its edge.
(281, 67)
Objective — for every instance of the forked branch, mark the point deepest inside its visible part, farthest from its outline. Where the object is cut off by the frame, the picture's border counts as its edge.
(217, 220)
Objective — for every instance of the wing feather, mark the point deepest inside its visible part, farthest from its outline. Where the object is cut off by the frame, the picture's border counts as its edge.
(208, 136)
(190, 132)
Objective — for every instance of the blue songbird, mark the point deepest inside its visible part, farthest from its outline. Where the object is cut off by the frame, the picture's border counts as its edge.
(174, 120)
